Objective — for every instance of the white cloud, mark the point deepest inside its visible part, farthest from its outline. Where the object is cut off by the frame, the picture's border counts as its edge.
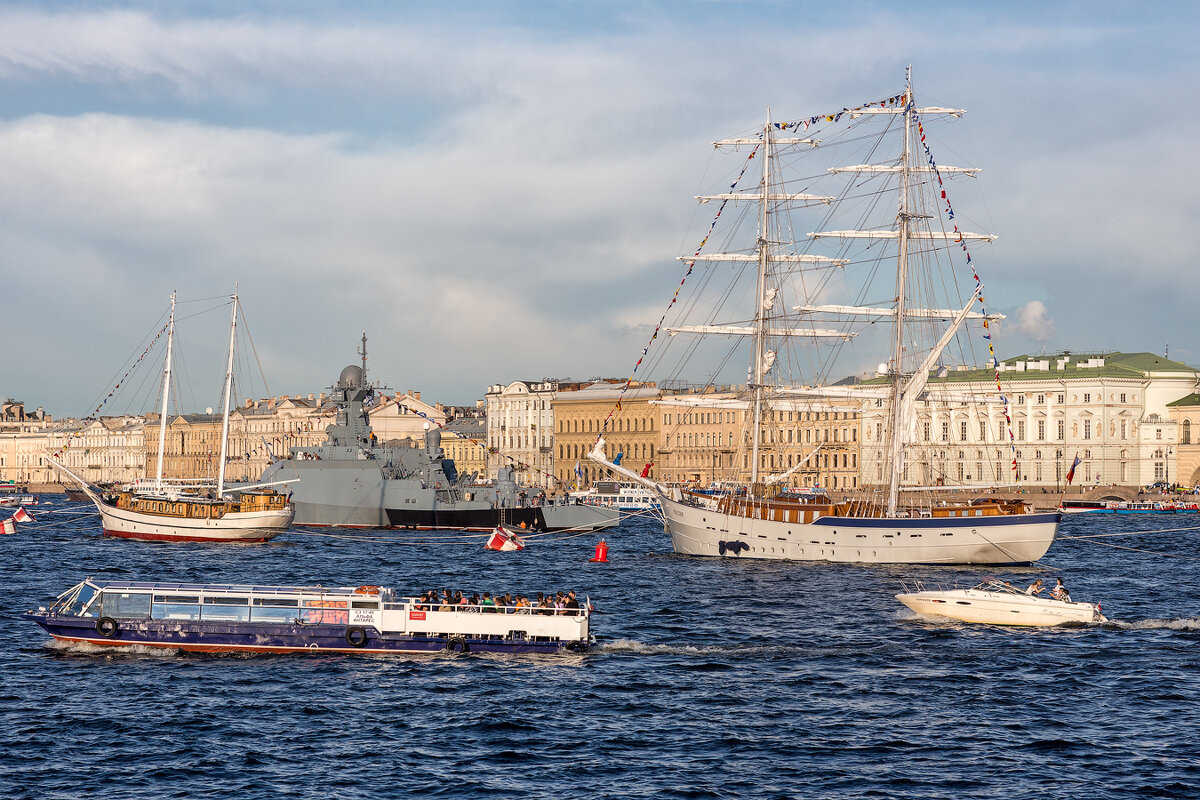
(1034, 321)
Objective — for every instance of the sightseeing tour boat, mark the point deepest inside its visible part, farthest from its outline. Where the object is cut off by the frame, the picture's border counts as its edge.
(994, 602)
(186, 511)
(215, 618)
(794, 335)
(12, 496)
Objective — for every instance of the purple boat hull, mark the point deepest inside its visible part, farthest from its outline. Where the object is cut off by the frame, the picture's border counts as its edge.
(267, 637)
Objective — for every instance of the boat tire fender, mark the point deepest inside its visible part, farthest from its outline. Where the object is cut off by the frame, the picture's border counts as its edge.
(107, 627)
(457, 644)
(356, 636)
(575, 646)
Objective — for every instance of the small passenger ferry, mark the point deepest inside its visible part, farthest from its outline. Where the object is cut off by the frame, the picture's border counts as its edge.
(12, 496)
(214, 618)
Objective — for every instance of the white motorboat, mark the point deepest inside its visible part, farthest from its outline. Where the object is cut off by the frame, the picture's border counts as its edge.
(995, 602)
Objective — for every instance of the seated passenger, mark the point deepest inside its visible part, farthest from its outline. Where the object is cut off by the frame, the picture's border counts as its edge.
(487, 604)
(571, 604)
(1059, 592)
(1035, 588)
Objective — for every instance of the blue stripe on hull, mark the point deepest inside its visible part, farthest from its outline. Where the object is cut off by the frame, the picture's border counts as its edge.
(938, 522)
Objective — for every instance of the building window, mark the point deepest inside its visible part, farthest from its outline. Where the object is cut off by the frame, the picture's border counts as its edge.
(962, 431)
(1158, 433)
(925, 427)
(1087, 428)
(1087, 397)
(1060, 399)
(982, 430)
(1021, 430)
(1186, 436)
(1041, 399)
(1062, 425)
(1041, 430)
(945, 431)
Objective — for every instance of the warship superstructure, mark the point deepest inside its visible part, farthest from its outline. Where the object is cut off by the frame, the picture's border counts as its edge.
(352, 480)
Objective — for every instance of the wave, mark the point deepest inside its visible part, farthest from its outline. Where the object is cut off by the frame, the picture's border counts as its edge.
(1183, 624)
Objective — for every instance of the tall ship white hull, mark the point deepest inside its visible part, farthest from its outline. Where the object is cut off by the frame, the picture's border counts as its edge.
(699, 531)
(236, 526)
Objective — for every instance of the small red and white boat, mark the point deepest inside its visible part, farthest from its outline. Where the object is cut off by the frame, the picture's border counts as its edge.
(504, 539)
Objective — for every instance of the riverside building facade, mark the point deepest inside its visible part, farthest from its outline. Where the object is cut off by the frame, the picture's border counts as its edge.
(1110, 409)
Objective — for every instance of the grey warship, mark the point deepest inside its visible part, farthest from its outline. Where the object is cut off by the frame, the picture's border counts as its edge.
(353, 481)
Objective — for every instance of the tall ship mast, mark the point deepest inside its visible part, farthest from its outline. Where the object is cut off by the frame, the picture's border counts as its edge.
(818, 301)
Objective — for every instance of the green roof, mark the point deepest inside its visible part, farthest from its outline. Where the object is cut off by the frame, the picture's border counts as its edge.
(1192, 399)
(1116, 365)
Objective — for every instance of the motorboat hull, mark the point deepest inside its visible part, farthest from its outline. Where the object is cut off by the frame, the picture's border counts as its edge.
(999, 608)
(1004, 539)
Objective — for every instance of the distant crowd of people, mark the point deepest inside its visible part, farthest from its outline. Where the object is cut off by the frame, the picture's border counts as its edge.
(544, 603)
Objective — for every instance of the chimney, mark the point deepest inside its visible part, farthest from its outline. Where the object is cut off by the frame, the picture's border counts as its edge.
(417, 395)
(270, 402)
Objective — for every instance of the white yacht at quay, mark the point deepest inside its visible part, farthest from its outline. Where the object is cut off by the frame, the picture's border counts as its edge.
(903, 282)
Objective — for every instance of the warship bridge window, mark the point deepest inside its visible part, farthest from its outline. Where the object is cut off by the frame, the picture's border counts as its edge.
(124, 605)
(173, 606)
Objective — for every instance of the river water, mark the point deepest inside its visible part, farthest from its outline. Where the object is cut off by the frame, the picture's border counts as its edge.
(722, 679)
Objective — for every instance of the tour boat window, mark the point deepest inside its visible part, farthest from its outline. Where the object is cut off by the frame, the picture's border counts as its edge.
(276, 601)
(175, 610)
(365, 604)
(222, 613)
(227, 601)
(124, 604)
(75, 603)
(261, 613)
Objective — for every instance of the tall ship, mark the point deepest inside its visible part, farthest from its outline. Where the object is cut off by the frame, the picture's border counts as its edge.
(352, 480)
(163, 509)
(899, 288)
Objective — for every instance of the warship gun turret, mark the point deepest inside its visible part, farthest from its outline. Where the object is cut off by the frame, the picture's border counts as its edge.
(353, 480)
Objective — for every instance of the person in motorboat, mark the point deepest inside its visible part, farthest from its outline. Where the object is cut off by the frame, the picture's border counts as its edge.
(1059, 592)
(1035, 588)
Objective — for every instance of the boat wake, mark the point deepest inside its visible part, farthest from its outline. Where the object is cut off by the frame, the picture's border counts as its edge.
(1187, 624)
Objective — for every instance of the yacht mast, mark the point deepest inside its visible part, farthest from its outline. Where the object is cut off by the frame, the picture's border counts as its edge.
(898, 422)
(166, 387)
(228, 389)
(759, 312)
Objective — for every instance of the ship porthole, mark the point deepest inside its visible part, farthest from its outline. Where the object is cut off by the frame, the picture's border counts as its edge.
(107, 627)
(356, 637)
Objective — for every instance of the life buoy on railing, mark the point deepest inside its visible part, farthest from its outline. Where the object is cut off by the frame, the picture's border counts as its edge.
(457, 644)
(356, 637)
(367, 590)
(107, 627)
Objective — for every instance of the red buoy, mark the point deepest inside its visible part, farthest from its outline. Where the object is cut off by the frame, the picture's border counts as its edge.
(601, 556)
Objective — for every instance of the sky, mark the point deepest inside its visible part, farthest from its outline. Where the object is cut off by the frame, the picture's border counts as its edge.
(498, 190)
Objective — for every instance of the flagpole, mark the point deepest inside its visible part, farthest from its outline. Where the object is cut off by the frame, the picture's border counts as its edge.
(1070, 475)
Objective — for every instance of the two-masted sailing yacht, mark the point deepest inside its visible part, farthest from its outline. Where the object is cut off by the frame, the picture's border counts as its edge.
(162, 509)
(901, 281)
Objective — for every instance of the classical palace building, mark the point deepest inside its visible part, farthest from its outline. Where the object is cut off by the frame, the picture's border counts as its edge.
(520, 429)
(801, 444)
(1110, 409)
(579, 417)
(464, 440)
(1185, 466)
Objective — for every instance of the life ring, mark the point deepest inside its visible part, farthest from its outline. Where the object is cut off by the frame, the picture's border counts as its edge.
(367, 590)
(575, 646)
(107, 627)
(457, 644)
(356, 636)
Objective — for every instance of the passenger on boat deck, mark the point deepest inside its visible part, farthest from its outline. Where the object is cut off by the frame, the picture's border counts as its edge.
(488, 604)
(1035, 588)
(1059, 592)
(507, 602)
(571, 605)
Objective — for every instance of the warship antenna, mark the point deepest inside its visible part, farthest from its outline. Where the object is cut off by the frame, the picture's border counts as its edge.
(363, 352)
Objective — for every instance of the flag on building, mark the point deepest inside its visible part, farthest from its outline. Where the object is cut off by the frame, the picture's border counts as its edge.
(22, 515)
(1071, 471)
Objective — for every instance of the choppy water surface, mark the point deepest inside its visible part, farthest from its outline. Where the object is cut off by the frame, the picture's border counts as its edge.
(715, 679)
